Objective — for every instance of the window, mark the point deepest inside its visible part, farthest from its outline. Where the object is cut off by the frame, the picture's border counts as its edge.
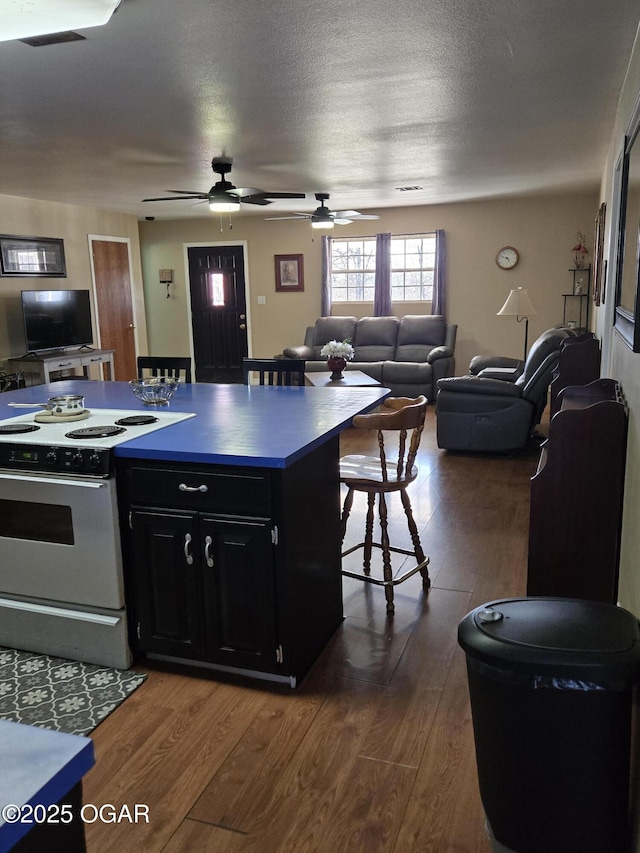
(353, 268)
(412, 264)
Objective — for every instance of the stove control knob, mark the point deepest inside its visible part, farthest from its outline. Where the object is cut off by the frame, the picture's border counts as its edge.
(94, 461)
(51, 457)
(77, 459)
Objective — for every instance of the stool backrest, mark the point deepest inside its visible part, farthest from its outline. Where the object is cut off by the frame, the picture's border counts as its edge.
(400, 414)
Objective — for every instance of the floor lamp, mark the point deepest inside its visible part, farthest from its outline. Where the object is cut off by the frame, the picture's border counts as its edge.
(519, 305)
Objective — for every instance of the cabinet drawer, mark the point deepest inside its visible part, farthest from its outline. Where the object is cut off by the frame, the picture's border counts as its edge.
(228, 491)
(94, 358)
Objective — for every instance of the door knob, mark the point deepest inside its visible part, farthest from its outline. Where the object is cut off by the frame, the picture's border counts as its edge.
(131, 326)
(243, 325)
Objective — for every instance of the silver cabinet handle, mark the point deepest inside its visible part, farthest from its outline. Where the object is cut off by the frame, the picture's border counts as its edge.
(208, 542)
(187, 551)
(184, 488)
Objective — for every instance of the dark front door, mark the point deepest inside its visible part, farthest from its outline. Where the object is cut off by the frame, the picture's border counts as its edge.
(218, 312)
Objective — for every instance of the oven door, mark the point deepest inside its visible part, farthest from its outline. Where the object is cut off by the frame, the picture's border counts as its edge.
(60, 540)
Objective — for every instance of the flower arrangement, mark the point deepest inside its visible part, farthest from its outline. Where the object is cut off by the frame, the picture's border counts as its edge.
(338, 349)
(580, 251)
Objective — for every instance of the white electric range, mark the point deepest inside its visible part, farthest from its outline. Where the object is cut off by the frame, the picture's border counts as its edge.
(61, 581)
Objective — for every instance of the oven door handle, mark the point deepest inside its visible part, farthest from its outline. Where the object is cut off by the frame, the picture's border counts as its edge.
(55, 481)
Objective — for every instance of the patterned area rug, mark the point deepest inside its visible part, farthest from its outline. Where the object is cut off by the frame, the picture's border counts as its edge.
(64, 695)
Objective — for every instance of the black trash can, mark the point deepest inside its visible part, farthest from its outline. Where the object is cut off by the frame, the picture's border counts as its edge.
(551, 684)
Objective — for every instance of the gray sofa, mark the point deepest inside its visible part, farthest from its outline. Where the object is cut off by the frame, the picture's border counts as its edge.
(407, 355)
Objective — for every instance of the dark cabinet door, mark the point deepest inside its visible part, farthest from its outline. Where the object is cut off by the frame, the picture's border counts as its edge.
(167, 582)
(239, 590)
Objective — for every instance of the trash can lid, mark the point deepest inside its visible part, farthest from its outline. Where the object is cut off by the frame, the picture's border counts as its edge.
(554, 635)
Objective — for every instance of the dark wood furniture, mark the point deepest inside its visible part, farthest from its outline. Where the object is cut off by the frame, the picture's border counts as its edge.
(577, 496)
(168, 366)
(274, 371)
(578, 364)
(378, 476)
(227, 568)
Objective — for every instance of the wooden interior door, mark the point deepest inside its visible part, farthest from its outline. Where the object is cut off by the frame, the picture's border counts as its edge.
(112, 278)
(218, 312)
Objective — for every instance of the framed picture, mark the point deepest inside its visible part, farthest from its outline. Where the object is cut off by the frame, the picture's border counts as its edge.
(289, 273)
(32, 256)
(598, 252)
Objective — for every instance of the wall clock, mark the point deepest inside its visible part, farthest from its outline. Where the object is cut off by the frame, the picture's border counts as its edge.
(507, 258)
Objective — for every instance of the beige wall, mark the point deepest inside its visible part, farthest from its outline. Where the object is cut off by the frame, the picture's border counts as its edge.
(27, 217)
(543, 229)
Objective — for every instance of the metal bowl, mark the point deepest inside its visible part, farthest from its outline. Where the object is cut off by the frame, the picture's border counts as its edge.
(156, 391)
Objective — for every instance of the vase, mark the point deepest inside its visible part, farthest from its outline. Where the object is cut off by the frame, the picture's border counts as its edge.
(336, 365)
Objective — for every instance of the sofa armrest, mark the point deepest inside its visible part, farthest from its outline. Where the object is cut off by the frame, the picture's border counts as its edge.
(298, 352)
(439, 352)
(506, 374)
(476, 385)
(482, 362)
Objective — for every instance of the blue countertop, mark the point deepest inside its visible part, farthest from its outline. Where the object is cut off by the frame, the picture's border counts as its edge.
(39, 767)
(253, 425)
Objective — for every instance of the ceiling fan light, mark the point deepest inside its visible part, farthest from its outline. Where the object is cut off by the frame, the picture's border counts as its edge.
(223, 205)
(20, 20)
(322, 223)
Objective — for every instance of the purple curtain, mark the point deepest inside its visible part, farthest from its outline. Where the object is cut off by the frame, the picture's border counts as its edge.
(325, 271)
(438, 302)
(382, 292)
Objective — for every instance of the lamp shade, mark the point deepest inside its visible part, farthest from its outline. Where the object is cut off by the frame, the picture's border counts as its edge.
(518, 304)
(20, 19)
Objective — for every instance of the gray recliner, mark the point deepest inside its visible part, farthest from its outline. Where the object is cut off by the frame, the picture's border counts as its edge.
(486, 414)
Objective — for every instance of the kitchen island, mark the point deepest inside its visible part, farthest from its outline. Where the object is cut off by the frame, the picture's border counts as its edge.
(230, 522)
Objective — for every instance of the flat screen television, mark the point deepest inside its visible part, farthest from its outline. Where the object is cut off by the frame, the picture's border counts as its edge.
(56, 319)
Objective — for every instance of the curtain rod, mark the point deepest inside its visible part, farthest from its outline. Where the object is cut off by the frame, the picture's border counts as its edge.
(373, 236)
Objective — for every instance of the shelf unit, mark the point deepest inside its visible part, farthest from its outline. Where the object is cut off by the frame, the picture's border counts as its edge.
(576, 303)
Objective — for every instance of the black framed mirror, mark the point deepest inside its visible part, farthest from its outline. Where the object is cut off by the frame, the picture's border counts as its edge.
(627, 321)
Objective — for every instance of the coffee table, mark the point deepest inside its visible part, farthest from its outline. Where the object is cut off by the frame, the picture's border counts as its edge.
(350, 379)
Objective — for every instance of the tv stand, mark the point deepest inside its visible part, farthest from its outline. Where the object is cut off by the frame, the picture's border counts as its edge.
(46, 367)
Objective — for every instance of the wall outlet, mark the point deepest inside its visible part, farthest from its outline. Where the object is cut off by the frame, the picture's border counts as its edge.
(262, 300)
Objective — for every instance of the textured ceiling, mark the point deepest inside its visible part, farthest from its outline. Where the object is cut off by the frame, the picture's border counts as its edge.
(463, 98)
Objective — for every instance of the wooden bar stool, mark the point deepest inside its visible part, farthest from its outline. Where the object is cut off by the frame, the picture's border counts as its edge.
(376, 476)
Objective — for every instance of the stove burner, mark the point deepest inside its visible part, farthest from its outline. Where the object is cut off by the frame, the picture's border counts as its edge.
(137, 420)
(14, 429)
(95, 432)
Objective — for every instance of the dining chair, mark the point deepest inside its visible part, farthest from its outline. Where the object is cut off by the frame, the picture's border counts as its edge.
(168, 366)
(377, 476)
(274, 371)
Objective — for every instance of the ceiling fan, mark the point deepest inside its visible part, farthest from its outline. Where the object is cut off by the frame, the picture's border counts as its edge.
(224, 197)
(322, 217)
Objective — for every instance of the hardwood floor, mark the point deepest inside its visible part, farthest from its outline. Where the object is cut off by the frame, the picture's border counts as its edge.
(374, 751)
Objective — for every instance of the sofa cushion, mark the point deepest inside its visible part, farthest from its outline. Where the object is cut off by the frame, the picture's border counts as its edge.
(407, 373)
(375, 338)
(332, 329)
(418, 335)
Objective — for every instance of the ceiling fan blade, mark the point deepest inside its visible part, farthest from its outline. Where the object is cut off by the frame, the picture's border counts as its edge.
(186, 192)
(301, 217)
(355, 214)
(255, 200)
(244, 192)
(174, 198)
(342, 221)
(284, 195)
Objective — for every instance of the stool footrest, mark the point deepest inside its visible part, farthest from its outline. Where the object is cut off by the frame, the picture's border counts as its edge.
(393, 581)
